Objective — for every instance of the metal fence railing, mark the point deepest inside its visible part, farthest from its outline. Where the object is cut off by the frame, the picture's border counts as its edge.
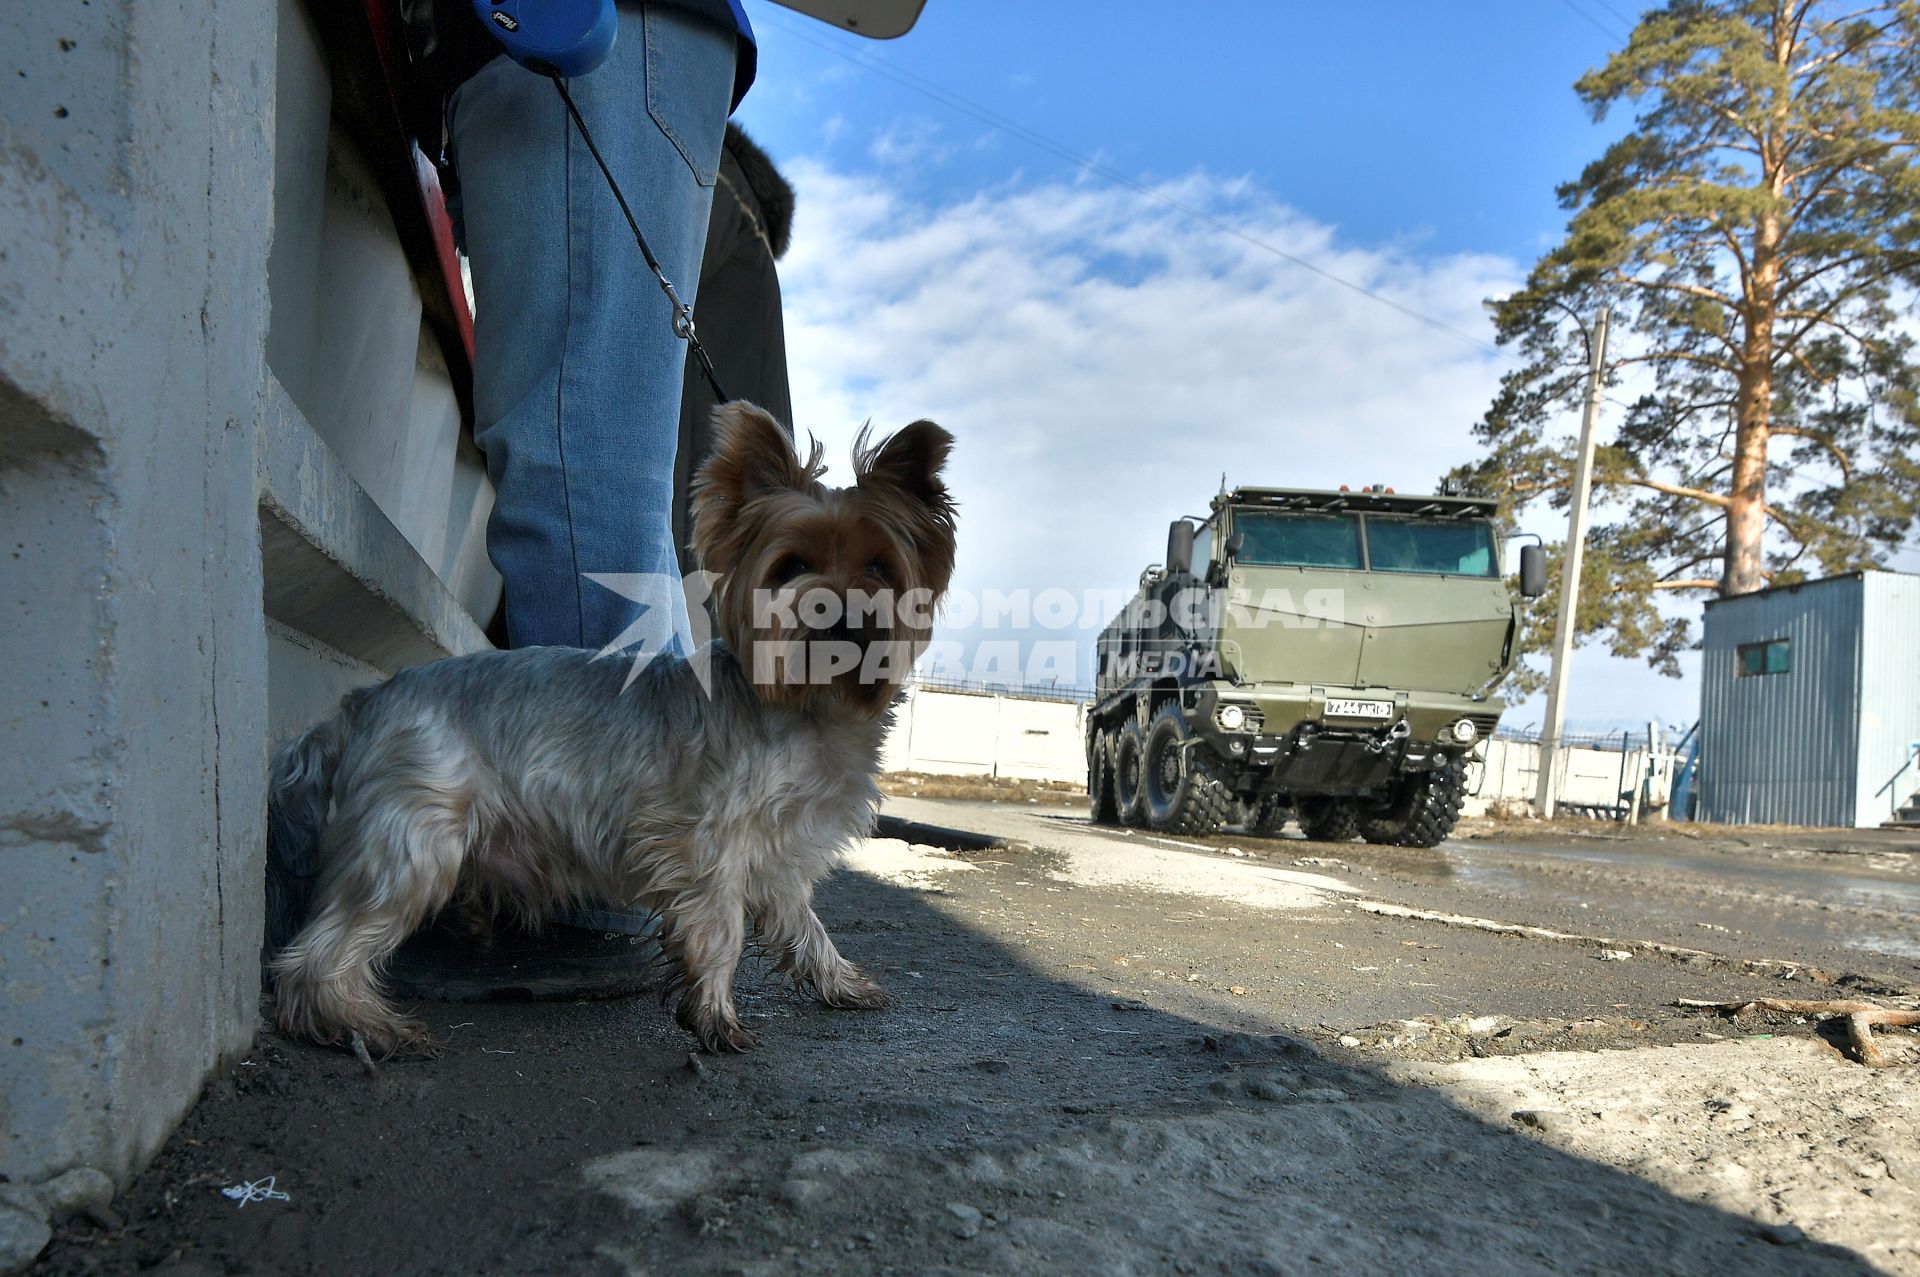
(1036, 692)
(1614, 742)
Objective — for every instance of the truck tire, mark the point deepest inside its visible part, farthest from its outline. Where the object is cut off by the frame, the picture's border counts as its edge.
(1267, 816)
(1327, 819)
(1422, 810)
(1128, 752)
(1104, 810)
(1181, 790)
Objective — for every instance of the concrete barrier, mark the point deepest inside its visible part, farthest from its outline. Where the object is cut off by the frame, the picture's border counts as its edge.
(234, 483)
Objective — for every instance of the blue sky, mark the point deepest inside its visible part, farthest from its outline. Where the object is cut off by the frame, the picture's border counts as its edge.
(1441, 126)
(1098, 351)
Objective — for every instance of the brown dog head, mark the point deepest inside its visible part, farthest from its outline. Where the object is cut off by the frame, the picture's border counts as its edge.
(826, 595)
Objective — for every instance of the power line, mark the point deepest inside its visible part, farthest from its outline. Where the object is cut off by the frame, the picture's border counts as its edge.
(1630, 21)
(1592, 21)
(954, 101)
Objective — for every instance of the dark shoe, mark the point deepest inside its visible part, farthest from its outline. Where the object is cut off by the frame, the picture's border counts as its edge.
(613, 955)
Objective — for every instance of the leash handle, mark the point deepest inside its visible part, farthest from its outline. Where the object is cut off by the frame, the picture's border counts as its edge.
(682, 312)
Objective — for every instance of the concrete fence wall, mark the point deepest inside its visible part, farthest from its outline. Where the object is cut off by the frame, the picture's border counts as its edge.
(987, 734)
(1589, 777)
(1510, 772)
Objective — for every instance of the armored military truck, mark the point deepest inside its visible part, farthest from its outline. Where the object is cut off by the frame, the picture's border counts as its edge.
(1321, 656)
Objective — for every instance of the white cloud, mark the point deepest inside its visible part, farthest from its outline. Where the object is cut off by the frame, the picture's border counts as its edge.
(913, 140)
(1102, 358)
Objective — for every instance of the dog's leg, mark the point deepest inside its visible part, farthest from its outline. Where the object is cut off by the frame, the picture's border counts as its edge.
(706, 932)
(472, 915)
(800, 947)
(389, 865)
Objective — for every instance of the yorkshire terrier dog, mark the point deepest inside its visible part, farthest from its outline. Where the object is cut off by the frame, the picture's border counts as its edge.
(708, 792)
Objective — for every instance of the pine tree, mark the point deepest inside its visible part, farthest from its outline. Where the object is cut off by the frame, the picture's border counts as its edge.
(1757, 233)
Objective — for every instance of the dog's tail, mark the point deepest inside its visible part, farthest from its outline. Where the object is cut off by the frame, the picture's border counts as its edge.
(299, 794)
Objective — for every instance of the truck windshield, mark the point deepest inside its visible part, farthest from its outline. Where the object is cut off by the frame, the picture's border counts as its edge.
(1298, 540)
(1433, 546)
(1394, 543)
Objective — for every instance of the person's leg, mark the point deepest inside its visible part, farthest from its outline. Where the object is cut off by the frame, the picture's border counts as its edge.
(740, 323)
(577, 371)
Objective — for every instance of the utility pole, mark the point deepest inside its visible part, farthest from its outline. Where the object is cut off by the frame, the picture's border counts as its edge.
(1547, 796)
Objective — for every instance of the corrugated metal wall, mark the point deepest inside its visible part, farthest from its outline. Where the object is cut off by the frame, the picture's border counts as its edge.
(1783, 748)
(1889, 693)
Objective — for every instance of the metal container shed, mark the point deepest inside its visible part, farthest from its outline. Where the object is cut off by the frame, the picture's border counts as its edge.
(1810, 702)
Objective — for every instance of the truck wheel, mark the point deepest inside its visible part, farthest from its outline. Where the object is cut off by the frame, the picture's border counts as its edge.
(1100, 780)
(1327, 819)
(1128, 751)
(1267, 816)
(1422, 810)
(1181, 789)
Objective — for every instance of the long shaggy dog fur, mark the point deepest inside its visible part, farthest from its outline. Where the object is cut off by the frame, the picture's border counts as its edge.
(539, 778)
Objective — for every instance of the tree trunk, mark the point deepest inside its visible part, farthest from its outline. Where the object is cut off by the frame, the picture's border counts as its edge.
(1747, 500)
(1753, 400)
(1753, 416)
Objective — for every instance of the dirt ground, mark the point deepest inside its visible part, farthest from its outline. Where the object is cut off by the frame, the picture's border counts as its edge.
(986, 789)
(1113, 1053)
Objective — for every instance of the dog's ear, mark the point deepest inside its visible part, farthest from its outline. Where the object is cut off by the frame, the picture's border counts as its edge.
(905, 472)
(910, 461)
(752, 458)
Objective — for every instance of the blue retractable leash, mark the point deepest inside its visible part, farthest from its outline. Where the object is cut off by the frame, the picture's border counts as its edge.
(561, 39)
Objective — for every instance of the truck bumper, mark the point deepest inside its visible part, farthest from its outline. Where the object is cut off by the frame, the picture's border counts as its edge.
(1294, 741)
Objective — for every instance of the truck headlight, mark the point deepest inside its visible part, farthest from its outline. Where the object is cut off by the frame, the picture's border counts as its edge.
(1464, 731)
(1231, 717)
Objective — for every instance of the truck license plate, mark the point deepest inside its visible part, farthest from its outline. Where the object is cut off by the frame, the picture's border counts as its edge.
(1359, 709)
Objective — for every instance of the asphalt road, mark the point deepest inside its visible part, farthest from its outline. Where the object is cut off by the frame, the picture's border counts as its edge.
(1837, 898)
(1113, 1053)
(1845, 904)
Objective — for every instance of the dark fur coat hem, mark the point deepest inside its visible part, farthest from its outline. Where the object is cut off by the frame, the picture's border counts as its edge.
(774, 195)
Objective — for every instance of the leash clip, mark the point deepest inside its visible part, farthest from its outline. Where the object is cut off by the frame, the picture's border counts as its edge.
(682, 313)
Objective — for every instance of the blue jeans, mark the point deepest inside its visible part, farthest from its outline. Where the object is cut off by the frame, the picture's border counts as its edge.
(577, 371)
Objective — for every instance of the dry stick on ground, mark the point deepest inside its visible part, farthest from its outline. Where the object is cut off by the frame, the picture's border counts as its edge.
(1861, 1017)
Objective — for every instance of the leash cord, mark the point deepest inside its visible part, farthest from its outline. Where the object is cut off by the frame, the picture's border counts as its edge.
(682, 313)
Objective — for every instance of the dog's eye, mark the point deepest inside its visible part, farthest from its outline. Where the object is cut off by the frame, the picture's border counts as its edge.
(878, 568)
(790, 568)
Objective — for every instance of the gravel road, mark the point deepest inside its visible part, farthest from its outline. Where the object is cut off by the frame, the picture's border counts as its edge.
(1119, 1054)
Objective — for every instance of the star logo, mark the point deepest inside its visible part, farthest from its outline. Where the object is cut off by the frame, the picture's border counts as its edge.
(672, 620)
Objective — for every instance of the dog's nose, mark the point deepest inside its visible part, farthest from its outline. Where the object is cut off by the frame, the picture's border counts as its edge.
(861, 635)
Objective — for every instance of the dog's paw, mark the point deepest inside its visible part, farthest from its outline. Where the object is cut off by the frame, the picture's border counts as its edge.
(854, 990)
(729, 1036)
(404, 1038)
(716, 1030)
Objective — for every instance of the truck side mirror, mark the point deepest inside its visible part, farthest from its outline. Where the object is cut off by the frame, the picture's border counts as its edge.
(1234, 542)
(1179, 547)
(1533, 572)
